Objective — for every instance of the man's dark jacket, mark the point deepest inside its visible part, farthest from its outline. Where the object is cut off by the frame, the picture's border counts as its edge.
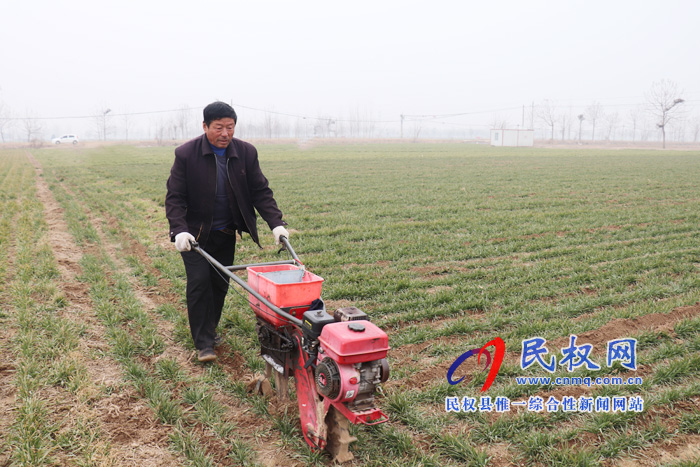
(189, 203)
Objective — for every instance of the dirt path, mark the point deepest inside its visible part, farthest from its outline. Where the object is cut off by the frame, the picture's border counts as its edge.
(233, 364)
(131, 431)
(65, 250)
(8, 391)
(123, 415)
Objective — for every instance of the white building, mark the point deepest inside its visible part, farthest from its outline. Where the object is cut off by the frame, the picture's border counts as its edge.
(513, 138)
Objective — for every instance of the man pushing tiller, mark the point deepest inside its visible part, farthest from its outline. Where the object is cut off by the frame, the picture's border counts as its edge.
(337, 361)
(215, 187)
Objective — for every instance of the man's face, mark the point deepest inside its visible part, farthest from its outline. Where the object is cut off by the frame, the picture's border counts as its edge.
(220, 132)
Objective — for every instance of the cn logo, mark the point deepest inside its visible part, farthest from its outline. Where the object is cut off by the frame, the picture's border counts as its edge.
(500, 351)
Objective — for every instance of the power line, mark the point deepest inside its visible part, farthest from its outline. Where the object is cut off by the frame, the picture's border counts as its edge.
(410, 117)
(125, 114)
(306, 117)
(432, 117)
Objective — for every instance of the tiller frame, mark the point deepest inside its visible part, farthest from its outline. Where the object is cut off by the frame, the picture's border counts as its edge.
(337, 361)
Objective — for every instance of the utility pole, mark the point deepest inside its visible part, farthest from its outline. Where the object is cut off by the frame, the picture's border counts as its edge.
(402, 117)
(581, 118)
(522, 125)
(104, 124)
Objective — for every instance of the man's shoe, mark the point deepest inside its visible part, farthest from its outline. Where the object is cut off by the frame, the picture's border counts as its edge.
(218, 340)
(206, 355)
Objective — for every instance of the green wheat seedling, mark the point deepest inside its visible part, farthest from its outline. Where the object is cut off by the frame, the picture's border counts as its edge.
(509, 428)
(166, 409)
(209, 411)
(286, 425)
(461, 448)
(536, 446)
(677, 369)
(241, 453)
(170, 370)
(670, 396)
(683, 463)
(30, 435)
(688, 327)
(570, 457)
(449, 244)
(690, 423)
(43, 344)
(401, 406)
(631, 441)
(186, 442)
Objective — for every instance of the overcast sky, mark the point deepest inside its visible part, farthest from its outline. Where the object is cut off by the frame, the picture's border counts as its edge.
(74, 57)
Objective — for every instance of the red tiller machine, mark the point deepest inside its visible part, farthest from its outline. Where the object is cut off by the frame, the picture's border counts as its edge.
(337, 361)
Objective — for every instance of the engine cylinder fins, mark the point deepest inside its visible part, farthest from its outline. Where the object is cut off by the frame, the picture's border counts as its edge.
(328, 378)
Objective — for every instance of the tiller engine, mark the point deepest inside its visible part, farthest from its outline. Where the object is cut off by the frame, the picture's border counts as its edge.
(336, 361)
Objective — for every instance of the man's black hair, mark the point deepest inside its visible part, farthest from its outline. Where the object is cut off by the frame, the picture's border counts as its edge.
(218, 110)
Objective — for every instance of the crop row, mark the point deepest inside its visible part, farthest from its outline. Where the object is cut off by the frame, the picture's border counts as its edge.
(164, 383)
(446, 247)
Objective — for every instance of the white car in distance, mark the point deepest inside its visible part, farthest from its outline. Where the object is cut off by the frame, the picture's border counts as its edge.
(65, 139)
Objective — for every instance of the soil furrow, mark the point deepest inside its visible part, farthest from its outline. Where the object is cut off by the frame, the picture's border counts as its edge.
(115, 416)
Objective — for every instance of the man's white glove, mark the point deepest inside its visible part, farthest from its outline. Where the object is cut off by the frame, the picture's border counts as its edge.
(278, 232)
(182, 241)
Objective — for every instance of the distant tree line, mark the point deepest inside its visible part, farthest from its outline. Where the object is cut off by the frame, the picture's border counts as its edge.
(664, 116)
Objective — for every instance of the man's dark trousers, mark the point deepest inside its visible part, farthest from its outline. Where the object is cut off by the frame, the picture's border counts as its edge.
(207, 287)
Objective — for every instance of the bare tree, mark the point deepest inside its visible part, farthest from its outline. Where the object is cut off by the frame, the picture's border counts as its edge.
(547, 113)
(499, 123)
(161, 130)
(354, 122)
(417, 127)
(570, 122)
(635, 118)
(300, 128)
(127, 125)
(272, 128)
(664, 100)
(679, 129)
(5, 119)
(267, 124)
(369, 124)
(696, 128)
(593, 113)
(564, 121)
(31, 126)
(182, 121)
(612, 120)
(325, 126)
